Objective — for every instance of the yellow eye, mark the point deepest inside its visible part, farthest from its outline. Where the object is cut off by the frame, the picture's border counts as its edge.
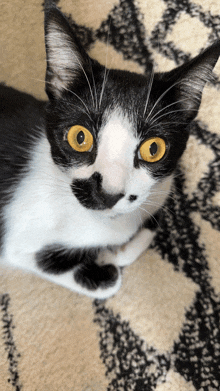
(153, 149)
(79, 138)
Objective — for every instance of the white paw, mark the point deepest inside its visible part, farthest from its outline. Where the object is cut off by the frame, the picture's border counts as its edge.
(128, 253)
(133, 249)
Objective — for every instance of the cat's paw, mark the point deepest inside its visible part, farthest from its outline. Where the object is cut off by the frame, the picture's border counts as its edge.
(98, 282)
(77, 270)
(128, 253)
(94, 277)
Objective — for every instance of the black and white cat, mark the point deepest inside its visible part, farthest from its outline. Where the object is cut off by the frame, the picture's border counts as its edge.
(83, 178)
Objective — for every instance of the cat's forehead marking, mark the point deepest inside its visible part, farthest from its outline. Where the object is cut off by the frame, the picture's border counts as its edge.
(116, 146)
(117, 135)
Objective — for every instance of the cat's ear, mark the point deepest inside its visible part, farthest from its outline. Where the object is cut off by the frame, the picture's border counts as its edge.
(66, 58)
(189, 79)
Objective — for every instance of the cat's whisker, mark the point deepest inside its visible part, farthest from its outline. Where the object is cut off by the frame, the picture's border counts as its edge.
(166, 107)
(157, 204)
(150, 214)
(106, 72)
(161, 97)
(40, 80)
(173, 112)
(84, 104)
(139, 216)
(95, 89)
(149, 90)
(71, 92)
(87, 79)
(168, 124)
(168, 194)
(104, 84)
(105, 78)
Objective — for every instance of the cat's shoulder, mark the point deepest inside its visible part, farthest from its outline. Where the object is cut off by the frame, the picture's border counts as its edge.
(21, 129)
(21, 119)
(17, 102)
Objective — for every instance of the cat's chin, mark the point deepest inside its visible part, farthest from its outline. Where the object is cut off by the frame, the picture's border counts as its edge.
(108, 214)
(115, 213)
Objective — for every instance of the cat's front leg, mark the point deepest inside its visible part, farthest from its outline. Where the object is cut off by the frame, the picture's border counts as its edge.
(78, 270)
(128, 253)
(132, 250)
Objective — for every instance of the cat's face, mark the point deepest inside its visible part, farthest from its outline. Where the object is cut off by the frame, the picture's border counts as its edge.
(117, 135)
(115, 158)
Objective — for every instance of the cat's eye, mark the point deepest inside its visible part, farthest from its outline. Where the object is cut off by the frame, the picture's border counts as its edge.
(153, 149)
(80, 138)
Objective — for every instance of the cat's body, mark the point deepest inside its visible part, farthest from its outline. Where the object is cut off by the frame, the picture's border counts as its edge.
(84, 176)
(39, 207)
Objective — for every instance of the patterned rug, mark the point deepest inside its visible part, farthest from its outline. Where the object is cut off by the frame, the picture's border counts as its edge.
(162, 330)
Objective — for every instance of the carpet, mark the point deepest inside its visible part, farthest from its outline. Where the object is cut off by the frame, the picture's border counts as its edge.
(161, 332)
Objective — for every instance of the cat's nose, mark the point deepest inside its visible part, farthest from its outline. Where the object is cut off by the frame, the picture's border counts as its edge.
(91, 194)
(132, 198)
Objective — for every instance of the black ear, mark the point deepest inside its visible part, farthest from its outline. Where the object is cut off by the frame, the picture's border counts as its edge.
(189, 79)
(66, 58)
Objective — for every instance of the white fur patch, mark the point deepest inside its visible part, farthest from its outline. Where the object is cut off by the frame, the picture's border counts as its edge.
(127, 254)
(115, 158)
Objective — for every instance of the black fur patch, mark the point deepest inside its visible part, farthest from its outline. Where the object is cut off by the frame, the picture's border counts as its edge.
(153, 222)
(90, 194)
(57, 259)
(92, 276)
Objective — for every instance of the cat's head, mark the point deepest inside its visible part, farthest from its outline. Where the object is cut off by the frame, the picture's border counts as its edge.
(118, 135)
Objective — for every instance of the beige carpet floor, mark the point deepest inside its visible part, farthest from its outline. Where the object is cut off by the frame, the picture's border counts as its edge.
(162, 330)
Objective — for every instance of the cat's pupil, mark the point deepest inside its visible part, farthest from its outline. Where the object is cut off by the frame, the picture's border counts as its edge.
(80, 137)
(153, 149)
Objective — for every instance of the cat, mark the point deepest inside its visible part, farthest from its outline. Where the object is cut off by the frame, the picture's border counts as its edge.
(84, 176)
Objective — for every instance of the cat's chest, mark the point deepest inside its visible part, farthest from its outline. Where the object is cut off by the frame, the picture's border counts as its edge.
(35, 220)
(58, 216)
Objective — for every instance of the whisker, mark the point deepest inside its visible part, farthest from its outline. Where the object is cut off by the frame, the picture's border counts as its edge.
(170, 123)
(167, 193)
(157, 204)
(149, 90)
(139, 215)
(93, 80)
(172, 112)
(161, 97)
(151, 216)
(73, 93)
(106, 73)
(86, 107)
(166, 107)
(87, 79)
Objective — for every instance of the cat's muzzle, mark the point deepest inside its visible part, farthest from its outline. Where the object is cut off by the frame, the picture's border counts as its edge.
(90, 193)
